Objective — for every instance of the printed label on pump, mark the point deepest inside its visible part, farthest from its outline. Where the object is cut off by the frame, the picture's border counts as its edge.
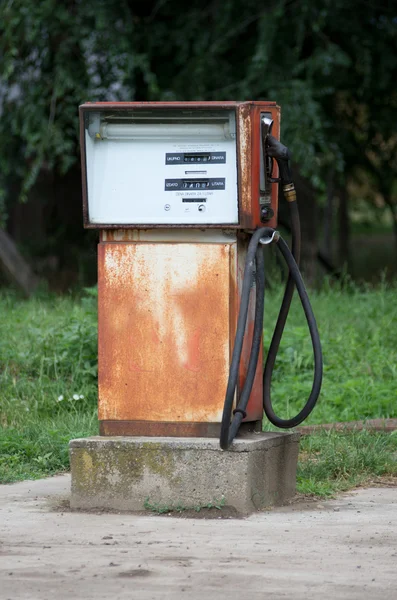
(178, 158)
(218, 183)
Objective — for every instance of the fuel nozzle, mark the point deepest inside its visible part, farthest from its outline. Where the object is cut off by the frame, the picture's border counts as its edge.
(280, 153)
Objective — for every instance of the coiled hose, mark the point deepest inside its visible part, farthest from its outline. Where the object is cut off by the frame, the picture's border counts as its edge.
(254, 270)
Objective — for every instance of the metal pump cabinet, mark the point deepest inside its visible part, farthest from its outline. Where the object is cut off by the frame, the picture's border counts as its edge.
(174, 189)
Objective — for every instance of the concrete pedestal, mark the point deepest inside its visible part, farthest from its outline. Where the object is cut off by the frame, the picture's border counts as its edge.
(129, 473)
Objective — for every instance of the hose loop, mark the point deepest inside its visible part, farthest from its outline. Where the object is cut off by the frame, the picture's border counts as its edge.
(255, 271)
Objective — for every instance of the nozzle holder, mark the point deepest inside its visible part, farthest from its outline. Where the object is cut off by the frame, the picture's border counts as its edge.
(282, 155)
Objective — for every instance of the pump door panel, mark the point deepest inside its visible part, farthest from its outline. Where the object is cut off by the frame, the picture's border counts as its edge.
(164, 330)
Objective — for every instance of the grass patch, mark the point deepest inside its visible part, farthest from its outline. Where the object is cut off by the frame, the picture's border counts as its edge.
(358, 329)
(40, 447)
(48, 387)
(332, 462)
(48, 382)
(48, 357)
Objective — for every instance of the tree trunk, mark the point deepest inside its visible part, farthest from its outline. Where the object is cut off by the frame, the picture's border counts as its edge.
(343, 229)
(309, 226)
(15, 265)
(393, 210)
(329, 216)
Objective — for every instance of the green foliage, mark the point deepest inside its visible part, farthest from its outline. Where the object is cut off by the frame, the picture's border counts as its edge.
(54, 56)
(329, 64)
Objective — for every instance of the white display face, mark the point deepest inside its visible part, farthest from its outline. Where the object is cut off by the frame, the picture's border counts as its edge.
(174, 173)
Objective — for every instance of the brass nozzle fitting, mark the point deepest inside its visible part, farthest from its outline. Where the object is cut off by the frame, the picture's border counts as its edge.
(289, 192)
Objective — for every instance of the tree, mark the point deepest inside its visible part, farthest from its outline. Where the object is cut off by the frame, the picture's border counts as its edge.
(328, 63)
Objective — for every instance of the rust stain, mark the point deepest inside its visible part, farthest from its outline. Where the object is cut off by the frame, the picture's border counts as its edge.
(244, 164)
(167, 318)
(163, 331)
(233, 297)
(276, 116)
(255, 403)
(156, 337)
(156, 428)
(138, 369)
(254, 408)
(249, 142)
(193, 351)
(120, 235)
(256, 141)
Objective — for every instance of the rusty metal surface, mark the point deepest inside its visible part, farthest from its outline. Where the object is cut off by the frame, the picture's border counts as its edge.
(232, 283)
(159, 429)
(275, 111)
(227, 104)
(164, 344)
(256, 165)
(248, 148)
(168, 312)
(244, 159)
(256, 141)
(168, 235)
(254, 408)
(174, 226)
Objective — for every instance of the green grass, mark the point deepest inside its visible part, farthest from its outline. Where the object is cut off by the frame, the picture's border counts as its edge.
(358, 329)
(48, 356)
(48, 387)
(332, 462)
(39, 447)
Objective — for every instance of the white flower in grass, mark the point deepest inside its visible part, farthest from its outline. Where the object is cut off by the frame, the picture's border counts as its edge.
(60, 398)
(81, 397)
(76, 397)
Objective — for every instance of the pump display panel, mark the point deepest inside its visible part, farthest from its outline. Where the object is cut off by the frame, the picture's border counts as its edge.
(152, 167)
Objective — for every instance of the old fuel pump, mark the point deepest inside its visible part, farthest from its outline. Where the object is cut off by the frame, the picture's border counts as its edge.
(185, 197)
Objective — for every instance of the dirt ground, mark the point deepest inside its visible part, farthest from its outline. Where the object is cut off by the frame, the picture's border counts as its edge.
(340, 549)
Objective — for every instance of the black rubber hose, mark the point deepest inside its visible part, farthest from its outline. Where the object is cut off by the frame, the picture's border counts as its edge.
(282, 316)
(288, 294)
(254, 255)
(254, 259)
(271, 358)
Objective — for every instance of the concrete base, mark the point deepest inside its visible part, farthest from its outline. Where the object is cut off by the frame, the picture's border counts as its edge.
(131, 473)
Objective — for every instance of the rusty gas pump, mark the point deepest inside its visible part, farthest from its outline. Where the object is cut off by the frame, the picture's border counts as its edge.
(185, 197)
